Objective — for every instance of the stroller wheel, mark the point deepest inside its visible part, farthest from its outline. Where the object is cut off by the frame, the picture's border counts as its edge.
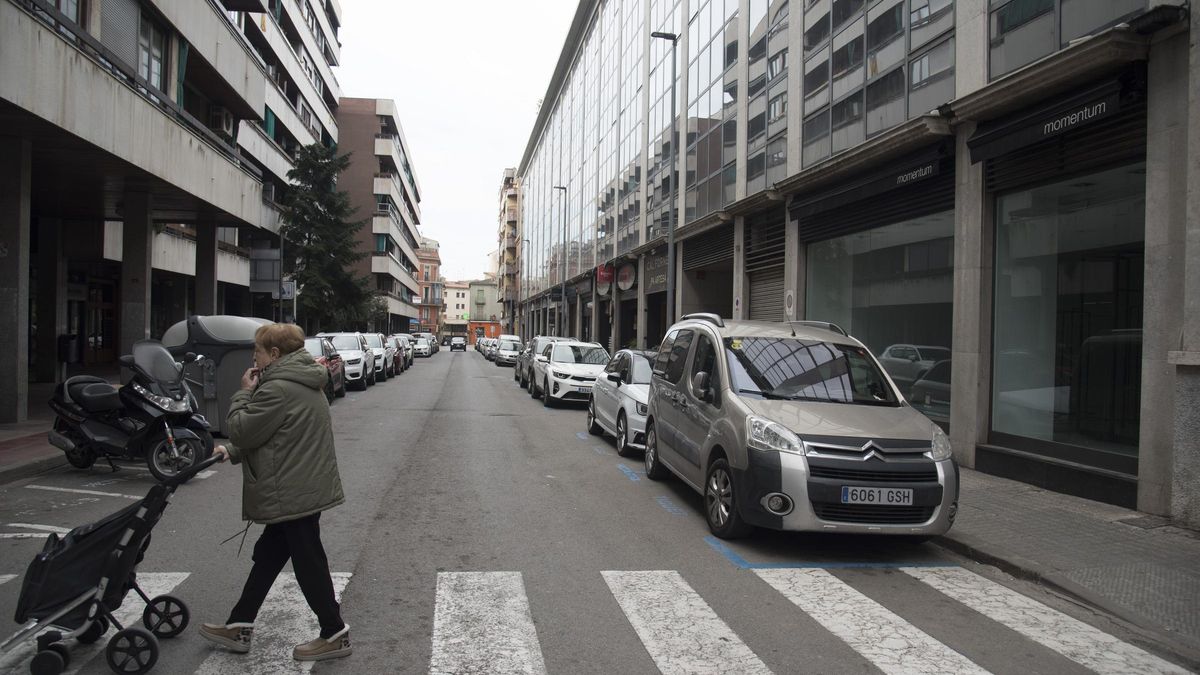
(50, 661)
(94, 632)
(132, 650)
(166, 616)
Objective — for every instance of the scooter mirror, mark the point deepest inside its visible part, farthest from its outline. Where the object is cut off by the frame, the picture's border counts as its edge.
(189, 357)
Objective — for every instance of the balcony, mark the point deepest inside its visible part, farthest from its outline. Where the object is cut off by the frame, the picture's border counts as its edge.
(510, 215)
(510, 241)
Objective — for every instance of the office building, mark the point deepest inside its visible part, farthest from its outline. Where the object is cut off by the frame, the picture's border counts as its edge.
(509, 256)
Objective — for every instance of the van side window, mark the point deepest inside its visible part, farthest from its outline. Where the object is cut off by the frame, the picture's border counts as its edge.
(705, 361)
(664, 353)
(677, 360)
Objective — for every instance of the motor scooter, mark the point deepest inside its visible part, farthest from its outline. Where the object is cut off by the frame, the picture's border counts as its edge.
(152, 418)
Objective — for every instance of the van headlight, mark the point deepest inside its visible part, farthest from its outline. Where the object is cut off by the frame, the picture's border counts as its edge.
(764, 434)
(940, 450)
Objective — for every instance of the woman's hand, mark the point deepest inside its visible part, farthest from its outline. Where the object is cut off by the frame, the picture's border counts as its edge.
(222, 452)
(250, 379)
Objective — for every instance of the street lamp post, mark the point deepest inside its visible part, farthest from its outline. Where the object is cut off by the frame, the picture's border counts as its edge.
(562, 278)
(674, 38)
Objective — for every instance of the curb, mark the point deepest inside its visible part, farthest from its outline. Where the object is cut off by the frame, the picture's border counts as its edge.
(1028, 570)
(15, 472)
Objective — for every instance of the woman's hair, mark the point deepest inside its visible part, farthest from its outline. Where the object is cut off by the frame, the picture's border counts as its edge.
(286, 337)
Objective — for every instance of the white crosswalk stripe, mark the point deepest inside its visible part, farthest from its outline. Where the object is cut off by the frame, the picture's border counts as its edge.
(883, 638)
(5, 578)
(482, 624)
(1074, 639)
(129, 614)
(283, 622)
(679, 629)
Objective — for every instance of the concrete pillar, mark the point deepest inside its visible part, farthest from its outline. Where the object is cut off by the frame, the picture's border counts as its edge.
(614, 337)
(739, 269)
(137, 236)
(206, 268)
(15, 169)
(594, 330)
(640, 328)
(970, 36)
(795, 273)
(51, 298)
(578, 328)
(680, 282)
(970, 371)
(1185, 480)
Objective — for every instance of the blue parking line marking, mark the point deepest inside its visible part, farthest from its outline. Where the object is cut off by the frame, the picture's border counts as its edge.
(670, 507)
(598, 450)
(629, 473)
(581, 435)
(741, 563)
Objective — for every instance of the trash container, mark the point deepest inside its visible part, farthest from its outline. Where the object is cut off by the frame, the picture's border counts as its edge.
(227, 344)
(68, 349)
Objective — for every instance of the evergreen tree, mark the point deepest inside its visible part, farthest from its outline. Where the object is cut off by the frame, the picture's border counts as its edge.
(320, 244)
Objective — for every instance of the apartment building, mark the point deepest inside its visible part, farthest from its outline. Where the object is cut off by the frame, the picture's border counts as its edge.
(457, 299)
(996, 190)
(126, 197)
(383, 187)
(509, 254)
(485, 299)
(432, 300)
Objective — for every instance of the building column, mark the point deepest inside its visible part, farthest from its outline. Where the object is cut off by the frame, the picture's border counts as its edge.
(15, 168)
(795, 269)
(579, 302)
(614, 336)
(594, 329)
(970, 370)
(137, 237)
(51, 298)
(206, 268)
(641, 302)
(739, 268)
(1185, 479)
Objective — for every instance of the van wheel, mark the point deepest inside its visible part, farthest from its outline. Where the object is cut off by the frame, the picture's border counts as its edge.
(721, 503)
(654, 468)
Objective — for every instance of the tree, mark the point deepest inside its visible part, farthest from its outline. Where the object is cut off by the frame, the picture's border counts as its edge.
(320, 244)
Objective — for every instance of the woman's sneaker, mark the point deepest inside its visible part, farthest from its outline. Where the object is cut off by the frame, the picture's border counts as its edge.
(233, 636)
(325, 648)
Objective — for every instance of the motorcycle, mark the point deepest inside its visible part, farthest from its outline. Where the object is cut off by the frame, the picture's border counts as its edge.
(153, 418)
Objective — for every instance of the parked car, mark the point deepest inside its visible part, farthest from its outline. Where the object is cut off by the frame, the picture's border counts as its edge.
(794, 427)
(489, 350)
(383, 361)
(459, 343)
(423, 348)
(524, 367)
(618, 402)
(566, 370)
(410, 344)
(506, 352)
(357, 355)
(399, 357)
(324, 353)
(908, 363)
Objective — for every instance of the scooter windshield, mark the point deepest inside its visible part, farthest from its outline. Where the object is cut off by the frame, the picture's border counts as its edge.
(154, 360)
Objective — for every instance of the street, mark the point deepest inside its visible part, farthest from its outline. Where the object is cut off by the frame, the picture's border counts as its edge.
(484, 533)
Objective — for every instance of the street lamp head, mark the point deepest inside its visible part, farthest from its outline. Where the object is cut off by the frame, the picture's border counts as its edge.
(665, 36)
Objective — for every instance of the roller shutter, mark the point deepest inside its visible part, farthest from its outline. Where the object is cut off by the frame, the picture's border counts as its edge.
(707, 249)
(120, 22)
(765, 248)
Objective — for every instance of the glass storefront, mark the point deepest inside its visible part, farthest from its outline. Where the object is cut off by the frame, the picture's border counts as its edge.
(892, 287)
(1068, 318)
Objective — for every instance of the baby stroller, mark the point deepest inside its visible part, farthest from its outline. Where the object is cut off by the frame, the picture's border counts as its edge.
(74, 585)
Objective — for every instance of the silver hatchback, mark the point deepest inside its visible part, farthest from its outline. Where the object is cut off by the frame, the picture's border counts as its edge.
(794, 426)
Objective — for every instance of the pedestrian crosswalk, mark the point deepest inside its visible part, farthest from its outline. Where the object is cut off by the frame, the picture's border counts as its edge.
(484, 623)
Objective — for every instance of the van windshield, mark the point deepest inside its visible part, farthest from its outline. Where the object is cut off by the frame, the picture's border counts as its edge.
(806, 370)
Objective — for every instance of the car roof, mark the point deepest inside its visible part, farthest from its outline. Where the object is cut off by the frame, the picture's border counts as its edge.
(578, 343)
(769, 329)
(339, 334)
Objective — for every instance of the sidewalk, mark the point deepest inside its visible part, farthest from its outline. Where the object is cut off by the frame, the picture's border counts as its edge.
(1129, 564)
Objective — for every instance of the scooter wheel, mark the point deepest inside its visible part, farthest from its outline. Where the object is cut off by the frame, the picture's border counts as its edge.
(81, 458)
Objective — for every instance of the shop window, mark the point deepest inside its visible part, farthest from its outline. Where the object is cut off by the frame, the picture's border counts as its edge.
(868, 283)
(1021, 32)
(1068, 315)
(885, 101)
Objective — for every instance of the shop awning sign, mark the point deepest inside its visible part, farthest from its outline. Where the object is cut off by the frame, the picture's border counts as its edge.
(604, 279)
(626, 277)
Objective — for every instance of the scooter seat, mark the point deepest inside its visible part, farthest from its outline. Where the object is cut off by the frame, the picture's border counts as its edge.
(93, 394)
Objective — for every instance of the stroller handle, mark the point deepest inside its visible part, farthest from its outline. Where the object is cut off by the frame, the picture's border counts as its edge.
(187, 474)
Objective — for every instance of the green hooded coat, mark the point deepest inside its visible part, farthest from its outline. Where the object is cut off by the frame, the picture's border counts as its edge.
(282, 436)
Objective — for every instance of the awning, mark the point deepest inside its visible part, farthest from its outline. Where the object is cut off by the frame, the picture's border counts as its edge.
(906, 172)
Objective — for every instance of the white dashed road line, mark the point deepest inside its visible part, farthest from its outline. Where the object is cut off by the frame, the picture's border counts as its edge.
(76, 491)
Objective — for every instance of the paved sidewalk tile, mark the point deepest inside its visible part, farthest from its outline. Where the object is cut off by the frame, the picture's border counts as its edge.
(1136, 566)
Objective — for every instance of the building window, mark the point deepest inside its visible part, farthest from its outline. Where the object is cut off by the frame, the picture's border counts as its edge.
(152, 49)
(867, 283)
(777, 65)
(885, 101)
(1068, 316)
(777, 109)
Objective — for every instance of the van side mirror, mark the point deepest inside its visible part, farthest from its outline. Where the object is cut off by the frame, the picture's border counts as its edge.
(700, 386)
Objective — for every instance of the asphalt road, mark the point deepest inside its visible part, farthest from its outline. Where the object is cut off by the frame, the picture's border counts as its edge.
(484, 533)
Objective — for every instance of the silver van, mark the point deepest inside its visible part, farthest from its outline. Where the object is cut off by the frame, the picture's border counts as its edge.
(794, 426)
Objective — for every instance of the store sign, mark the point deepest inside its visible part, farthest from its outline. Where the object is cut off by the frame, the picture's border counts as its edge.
(1028, 128)
(656, 271)
(626, 277)
(604, 279)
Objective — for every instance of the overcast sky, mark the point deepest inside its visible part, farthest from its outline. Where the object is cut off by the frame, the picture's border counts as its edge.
(466, 77)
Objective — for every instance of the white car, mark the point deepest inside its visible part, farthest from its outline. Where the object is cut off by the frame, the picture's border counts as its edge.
(385, 355)
(360, 368)
(506, 352)
(566, 371)
(619, 398)
(422, 348)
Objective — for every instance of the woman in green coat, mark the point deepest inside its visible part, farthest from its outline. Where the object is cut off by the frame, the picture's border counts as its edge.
(280, 432)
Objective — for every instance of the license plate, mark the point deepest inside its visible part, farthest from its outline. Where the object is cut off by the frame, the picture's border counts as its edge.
(582, 390)
(874, 495)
